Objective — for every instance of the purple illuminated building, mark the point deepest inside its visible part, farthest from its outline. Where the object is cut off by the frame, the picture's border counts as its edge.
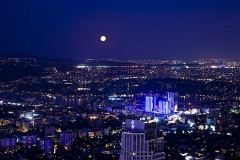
(66, 139)
(163, 106)
(29, 141)
(46, 145)
(8, 143)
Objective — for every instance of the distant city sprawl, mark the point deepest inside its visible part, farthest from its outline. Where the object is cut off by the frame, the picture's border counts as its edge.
(111, 109)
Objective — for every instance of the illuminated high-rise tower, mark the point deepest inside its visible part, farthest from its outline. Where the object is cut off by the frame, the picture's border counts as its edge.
(175, 102)
(66, 139)
(163, 107)
(170, 99)
(46, 145)
(141, 141)
(150, 103)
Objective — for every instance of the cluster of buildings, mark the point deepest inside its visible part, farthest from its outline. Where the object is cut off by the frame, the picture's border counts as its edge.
(123, 126)
(106, 129)
(92, 74)
(164, 106)
(47, 129)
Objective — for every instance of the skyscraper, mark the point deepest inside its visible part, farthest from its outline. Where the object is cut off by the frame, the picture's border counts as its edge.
(163, 107)
(170, 99)
(141, 140)
(8, 143)
(66, 139)
(29, 141)
(46, 145)
(150, 103)
(175, 102)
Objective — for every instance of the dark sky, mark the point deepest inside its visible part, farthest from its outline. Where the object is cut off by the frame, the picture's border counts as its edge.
(157, 29)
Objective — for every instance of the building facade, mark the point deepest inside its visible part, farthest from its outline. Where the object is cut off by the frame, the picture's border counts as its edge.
(46, 145)
(162, 107)
(29, 141)
(170, 99)
(8, 143)
(165, 106)
(141, 141)
(149, 103)
(66, 139)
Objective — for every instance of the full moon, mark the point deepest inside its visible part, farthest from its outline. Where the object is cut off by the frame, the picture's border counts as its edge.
(103, 38)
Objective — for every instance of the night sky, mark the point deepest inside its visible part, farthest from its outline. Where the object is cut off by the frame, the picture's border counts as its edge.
(159, 29)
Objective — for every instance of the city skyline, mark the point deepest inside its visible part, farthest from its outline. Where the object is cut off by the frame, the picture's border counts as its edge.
(160, 30)
(115, 110)
(180, 60)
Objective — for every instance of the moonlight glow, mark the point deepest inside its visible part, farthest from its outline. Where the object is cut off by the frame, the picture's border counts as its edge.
(103, 38)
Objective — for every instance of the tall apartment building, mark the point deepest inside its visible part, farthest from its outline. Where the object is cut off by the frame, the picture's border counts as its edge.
(46, 145)
(29, 141)
(66, 139)
(8, 143)
(141, 141)
(170, 99)
(163, 106)
(150, 103)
